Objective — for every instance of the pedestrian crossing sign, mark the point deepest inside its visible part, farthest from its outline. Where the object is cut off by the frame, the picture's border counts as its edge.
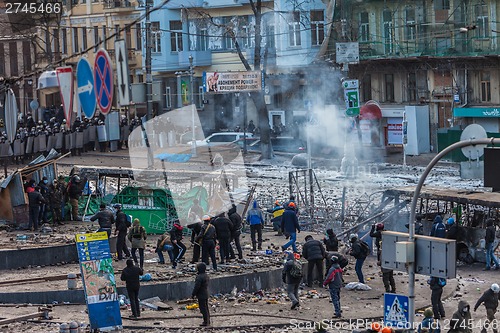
(396, 310)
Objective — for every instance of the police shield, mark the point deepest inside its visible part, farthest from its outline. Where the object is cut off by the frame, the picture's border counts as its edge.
(5, 150)
(36, 144)
(86, 135)
(42, 143)
(29, 145)
(78, 140)
(92, 133)
(67, 141)
(59, 140)
(72, 140)
(102, 135)
(18, 147)
(51, 142)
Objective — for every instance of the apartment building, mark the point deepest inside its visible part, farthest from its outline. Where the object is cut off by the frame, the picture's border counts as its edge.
(440, 53)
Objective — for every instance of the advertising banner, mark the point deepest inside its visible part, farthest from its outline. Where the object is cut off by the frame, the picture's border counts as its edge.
(222, 82)
(99, 284)
(395, 131)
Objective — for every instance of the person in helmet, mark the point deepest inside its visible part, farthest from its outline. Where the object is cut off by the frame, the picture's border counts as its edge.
(74, 193)
(376, 232)
(122, 223)
(334, 282)
(176, 240)
(490, 301)
(359, 252)
(206, 238)
(452, 229)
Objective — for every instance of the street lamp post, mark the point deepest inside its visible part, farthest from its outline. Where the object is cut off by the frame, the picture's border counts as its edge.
(193, 106)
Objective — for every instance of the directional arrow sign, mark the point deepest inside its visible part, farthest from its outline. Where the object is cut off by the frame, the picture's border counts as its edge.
(103, 81)
(85, 90)
(351, 97)
(66, 88)
(122, 72)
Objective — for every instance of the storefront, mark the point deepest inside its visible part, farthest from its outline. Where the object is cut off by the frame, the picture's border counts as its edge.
(488, 118)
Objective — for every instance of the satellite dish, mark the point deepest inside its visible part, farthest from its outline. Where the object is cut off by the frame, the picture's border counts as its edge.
(473, 131)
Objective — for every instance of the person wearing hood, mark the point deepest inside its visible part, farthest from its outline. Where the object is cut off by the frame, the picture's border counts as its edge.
(290, 226)
(176, 240)
(131, 275)
(429, 324)
(195, 230)
(277, 212)
(331, 241)
(224, 230)
(376, 232)
(489, 240)
(235, 236)
(137, 237)
(490, 301)
(206, 238)
(291, 280)
(334, 282)
(358, 252)
(436, 284)
(200, 291)
(461, 321)
(438, 228)
(163, 244)
(256, 220)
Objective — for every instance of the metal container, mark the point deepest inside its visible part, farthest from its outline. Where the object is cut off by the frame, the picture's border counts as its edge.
(72, 281)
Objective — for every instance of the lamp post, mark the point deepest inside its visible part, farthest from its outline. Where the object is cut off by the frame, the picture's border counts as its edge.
(193, 106)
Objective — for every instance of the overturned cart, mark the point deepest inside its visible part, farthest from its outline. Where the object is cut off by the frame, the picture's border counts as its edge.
(470, 209)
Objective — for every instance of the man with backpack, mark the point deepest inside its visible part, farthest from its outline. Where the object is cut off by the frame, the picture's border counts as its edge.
(334, 282)
(292, 275)
(490, 301)
(359, 250)
(314, 252)
(122, 223)
(489, 240)
(436, 284)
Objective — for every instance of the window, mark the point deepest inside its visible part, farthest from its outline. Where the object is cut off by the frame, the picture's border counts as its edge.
(96, 38)
(128, 37)
(228, 40)
(201, 96)
(117, 32)
(388, 31)
(485, 87)
(410, 31)
(270, 33)
(389, 87)
(294, 30)
(412, 87)
(441, 4)
(168, 98)
(26, 56)
(2, 59)
(176, 36)
(156, 36)
(57, 46)
(138, 37)
(366, 87)
(482, 26)
(364, 27)
(64, 41)
(14, 69)
(278, 99)
(75, 40)
(317, 27)
(246, 35)
(84, 39)
(203, 39)
(104, 36)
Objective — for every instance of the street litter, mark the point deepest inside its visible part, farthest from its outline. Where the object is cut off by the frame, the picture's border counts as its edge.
(357, 286)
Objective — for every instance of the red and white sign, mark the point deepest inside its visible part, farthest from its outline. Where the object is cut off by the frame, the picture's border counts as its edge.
(66, 88)
(103, 80)
(395, 131)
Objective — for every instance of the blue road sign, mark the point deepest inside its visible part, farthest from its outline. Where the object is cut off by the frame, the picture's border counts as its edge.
(103, 81)
(85, 90)
(396, 310)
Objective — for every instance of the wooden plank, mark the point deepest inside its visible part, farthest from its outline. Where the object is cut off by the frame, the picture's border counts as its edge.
(21, 318)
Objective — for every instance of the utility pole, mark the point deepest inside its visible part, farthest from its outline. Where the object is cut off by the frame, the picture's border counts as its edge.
(193, 106)
(149, 78)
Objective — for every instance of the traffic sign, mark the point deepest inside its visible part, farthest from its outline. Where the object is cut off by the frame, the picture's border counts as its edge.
(66, 88)
(347, 53)
(396, 310)
(351, 97)
(122, 72)
(103, 80)
(85, 87)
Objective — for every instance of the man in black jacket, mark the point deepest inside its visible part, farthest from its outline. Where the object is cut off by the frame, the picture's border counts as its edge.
(436, 293)
(489, 240)
(121, 228)
(195, 230)
(74, 193)
(131, 275)
(224, 229)
(105, 219)
(490, 301)
(35, 199)
(206, 238)
(331, 241)
(200, 291)
(176, 240)
(237, 223)
(360, 256)
(292, 283)
(314, 252)
(376, 232)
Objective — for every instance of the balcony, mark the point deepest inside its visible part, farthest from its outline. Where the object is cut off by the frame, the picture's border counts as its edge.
(200, 58)
(131, 56)
(118, 6)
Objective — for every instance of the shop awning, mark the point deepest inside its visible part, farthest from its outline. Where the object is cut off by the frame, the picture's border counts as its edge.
(370, 111)
(477, 112)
